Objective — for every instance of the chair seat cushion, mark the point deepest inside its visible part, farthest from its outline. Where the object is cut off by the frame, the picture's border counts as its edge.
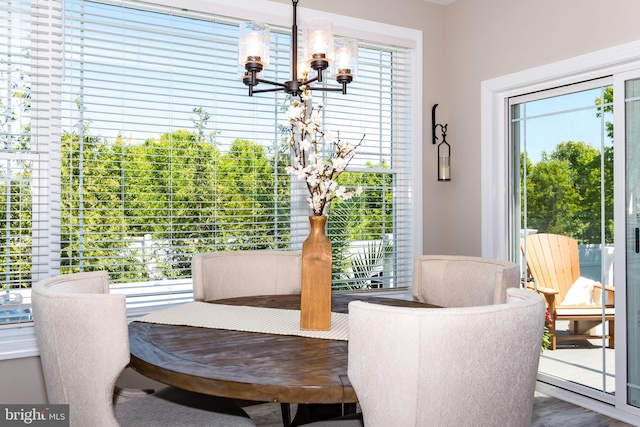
(580, 292)
(174, 407)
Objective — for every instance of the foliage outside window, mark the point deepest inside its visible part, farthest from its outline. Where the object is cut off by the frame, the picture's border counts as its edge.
(569, 190)
(160, 154)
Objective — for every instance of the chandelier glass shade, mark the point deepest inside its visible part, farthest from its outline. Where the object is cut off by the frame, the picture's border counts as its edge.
(321, 52)
(254, 47)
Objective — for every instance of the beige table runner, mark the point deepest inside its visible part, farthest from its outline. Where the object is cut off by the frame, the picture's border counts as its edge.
(249, 319)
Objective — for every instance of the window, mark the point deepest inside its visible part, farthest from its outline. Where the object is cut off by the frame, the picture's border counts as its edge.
(157, 153)
(29, 135)
(563, 144)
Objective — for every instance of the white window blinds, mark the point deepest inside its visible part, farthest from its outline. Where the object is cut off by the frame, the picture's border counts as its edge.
(163, 154)
(29, 133)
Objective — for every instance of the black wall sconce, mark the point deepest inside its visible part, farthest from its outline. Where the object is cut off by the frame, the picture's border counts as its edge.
(444, 149)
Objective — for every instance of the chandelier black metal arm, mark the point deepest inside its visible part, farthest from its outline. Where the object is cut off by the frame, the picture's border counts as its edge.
(293, 87)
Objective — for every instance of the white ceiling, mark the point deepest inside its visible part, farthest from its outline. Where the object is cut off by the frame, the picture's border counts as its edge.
(444, 2)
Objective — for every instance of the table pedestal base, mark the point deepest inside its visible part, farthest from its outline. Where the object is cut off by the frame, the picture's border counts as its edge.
(313, 412)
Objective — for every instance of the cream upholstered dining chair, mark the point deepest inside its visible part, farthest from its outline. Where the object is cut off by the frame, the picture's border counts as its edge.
(84, 345)
(232, 274)
(462, 281)
(459, 366)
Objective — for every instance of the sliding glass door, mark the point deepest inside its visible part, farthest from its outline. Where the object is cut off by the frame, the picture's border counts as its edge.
(562, 142)
(628, 186)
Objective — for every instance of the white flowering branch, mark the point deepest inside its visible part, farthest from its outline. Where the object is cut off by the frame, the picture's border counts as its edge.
(306, 140)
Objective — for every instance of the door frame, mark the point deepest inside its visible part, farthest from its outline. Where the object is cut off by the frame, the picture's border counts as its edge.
(620, 232)
(496, 233)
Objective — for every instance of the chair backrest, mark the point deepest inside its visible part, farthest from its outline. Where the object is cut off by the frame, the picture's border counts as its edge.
(552, 260)
(232, 274)
(463, 366)
(84, 344)
(462, 281)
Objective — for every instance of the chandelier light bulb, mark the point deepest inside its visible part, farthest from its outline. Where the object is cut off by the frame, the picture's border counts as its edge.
(346, 62)
(318, 43)
(318, 34)
(253, 46)
(343, 58)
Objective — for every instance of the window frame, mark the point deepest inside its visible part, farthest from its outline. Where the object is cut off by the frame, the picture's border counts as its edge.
(19, 341)
(496, 183)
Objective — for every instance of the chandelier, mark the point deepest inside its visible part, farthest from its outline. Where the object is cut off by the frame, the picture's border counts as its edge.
(320, 52)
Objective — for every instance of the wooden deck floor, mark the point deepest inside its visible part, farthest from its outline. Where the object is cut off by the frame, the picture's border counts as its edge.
(582, 362)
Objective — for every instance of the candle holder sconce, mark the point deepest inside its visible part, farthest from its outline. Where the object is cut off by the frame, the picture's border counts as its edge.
(444, 149)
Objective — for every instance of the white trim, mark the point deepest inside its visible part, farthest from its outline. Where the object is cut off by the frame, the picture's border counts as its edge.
(416, 146)
(563, 90)
(494, 179)
(620, 236)
(494, 155)
(619, 217)
(18, 342)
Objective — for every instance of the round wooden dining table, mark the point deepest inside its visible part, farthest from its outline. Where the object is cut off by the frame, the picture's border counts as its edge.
(249, 365)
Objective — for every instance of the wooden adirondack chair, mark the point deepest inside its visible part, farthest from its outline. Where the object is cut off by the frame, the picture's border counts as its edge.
(552, 261)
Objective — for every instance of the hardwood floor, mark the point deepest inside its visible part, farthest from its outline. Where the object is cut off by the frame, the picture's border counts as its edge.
(551, 412)
(547, 412)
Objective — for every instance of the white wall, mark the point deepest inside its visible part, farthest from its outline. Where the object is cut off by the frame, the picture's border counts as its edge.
(491, 38)
(22, 382)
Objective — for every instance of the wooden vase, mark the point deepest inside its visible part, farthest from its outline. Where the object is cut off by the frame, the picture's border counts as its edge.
(315, 301)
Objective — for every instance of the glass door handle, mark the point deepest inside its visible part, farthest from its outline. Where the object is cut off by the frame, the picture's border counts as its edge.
(637, 240)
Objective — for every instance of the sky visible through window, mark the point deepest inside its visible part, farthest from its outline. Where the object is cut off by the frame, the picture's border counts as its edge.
(138, 74)
(571, 117)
